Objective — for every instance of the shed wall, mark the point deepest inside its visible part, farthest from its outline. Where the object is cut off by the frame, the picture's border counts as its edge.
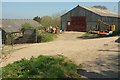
(91, 18)
(111, 20)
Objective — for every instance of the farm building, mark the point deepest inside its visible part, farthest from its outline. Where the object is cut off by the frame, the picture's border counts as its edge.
(13, 26)
(83, 18)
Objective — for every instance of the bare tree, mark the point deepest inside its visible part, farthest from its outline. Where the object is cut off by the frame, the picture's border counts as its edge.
(46, 21)
(57, 18)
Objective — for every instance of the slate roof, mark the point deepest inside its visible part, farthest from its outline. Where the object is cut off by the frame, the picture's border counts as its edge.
(14, 25)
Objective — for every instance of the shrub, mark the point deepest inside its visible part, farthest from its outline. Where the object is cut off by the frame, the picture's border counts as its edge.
(46, 37)
(39, 37)
(41, 67)
(10, 39)
(26, 26)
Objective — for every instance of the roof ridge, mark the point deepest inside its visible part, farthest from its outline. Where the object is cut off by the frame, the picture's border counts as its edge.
(101, 12)
(98, 8)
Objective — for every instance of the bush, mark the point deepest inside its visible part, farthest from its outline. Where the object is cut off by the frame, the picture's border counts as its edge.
(41, 67)
(26, 26)
(39, 37)
(9, 39)
(46, 37)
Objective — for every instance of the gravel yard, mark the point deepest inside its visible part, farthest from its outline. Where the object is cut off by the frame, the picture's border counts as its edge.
(96, 56)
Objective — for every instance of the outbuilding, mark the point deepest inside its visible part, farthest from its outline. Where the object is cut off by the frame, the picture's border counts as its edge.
(13, 26)
(84, 18)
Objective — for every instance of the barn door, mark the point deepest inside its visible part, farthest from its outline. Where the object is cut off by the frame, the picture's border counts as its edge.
(68, 25)
(77, 23)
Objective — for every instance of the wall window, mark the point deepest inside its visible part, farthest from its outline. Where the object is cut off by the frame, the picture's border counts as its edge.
(68, 23)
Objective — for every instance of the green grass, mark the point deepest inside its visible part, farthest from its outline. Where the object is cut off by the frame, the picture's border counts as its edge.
(41, 67)
(91, 36)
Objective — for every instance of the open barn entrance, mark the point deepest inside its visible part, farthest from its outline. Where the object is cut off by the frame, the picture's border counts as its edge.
(77, 23)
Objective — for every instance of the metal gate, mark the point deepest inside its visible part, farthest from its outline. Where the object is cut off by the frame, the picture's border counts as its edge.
(77, 23)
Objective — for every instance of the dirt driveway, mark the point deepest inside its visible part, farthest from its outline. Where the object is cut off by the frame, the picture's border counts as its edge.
(94, 55)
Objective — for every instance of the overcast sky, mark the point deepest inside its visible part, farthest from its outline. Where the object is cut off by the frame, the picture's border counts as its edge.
(28, 10)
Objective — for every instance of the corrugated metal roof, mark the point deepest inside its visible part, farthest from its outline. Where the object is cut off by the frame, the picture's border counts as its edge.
(14, 25)
(101, 12)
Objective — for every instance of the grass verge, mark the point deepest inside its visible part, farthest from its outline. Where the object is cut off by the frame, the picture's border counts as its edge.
(92, 36)
(89, 36)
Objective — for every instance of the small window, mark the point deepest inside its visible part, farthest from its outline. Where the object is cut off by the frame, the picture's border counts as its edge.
(68, 23)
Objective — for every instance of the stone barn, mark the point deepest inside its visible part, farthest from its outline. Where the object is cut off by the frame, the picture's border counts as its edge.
(13, 26)
(82, 18)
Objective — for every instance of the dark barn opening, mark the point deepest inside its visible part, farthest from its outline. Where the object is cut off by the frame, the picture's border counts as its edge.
(77, 23)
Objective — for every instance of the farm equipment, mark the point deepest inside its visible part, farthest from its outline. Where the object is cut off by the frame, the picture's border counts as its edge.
(108, 29)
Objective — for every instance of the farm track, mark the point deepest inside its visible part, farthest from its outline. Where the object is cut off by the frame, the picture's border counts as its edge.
(96, 56)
